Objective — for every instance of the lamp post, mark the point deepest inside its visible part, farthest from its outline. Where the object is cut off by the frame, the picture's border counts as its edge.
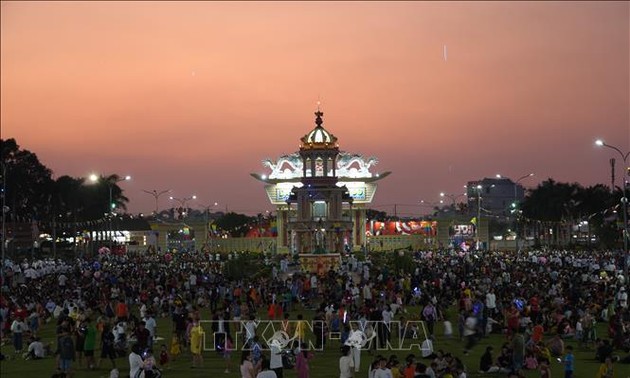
(514, 204)
(182, 201)
(624, 202)
(478, 188)
(111, 181)
(156, 195)
(452, 197)
(207, 219)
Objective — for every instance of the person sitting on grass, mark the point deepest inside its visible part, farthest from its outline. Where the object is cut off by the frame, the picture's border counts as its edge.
(35, 350)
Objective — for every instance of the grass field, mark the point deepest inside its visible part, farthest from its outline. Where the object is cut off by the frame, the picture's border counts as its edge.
(324, 365)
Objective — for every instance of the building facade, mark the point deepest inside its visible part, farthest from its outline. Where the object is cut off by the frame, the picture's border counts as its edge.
(321, 194)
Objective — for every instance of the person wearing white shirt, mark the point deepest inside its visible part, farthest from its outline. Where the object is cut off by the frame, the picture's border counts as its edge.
(265, 372)
(346, 363)
(367, 292)
(151, 326)
(275, 362)
(382, 371)
(62, 280)
(143, 311)
(136, 365)
(250, 329)
(35, 349)
(387, 316)
(491, 301)
(622, 297)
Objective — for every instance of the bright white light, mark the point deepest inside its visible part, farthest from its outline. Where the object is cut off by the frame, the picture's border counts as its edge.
(498, 176)
(479, 187)
(264, 177)
(127, 178)
(93, 177)
(442, 194)
(194, 197)
(599, 142)
(171, 197)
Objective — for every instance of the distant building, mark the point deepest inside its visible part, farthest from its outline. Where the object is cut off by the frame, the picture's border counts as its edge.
(497, 196)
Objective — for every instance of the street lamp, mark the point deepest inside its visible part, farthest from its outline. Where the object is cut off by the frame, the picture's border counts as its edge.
(182, 202)
(452, 197)
(156, 195)
(624, 202)
(207, 219)
(478, 188)
(111, 181)
(514, 204)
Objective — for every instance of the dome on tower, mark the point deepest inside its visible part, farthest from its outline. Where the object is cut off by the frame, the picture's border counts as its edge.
(319, 137)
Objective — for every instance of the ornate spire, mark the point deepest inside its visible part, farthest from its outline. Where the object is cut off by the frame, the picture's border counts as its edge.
(318, 117)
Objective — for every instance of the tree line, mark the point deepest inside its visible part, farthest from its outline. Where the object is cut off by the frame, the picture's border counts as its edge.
(32, 194)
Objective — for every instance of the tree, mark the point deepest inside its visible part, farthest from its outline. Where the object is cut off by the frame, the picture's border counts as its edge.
(549, 205)
(560, 206)
(235, 224)
(376, 215)
(28, 183)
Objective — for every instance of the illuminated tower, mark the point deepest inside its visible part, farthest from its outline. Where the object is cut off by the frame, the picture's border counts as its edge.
(319, 225)
(320, 194)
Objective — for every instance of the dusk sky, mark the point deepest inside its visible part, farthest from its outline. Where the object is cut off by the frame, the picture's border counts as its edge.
(192, 96)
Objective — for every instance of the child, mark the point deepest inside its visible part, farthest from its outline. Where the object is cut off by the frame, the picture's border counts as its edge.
(227, 353)
(150, 370)
(568, 360)
(163, 357)
(176, 349)
(531, 362)
(448, 328)
(545, 371)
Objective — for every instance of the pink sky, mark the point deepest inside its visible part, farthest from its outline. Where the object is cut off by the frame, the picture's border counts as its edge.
(192, 96)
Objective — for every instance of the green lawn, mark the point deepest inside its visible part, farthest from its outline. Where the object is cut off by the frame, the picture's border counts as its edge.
(325, 363)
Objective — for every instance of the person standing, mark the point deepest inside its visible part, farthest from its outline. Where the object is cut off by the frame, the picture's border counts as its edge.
(17, 328)
(66, 354)
(569, 361)
(151, 325)
(470, 332)
(275, 362)
(301, 362)
(196, 341)
(136, 365)
(142, 335)
(89, 343)
(429, 314)
(246, 367)
(545, 371)
(107, 346)
(606, 369)
(346, 363)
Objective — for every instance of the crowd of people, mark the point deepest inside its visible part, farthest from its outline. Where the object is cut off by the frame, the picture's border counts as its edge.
(537, 299)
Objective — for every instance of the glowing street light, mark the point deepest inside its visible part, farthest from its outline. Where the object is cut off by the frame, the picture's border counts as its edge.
(112, 206)
(514, 204)
(156, 195)
(624, 202)
(452, 197)
(182, 203)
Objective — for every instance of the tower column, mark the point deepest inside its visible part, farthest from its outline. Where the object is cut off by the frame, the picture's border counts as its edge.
(359, 217)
